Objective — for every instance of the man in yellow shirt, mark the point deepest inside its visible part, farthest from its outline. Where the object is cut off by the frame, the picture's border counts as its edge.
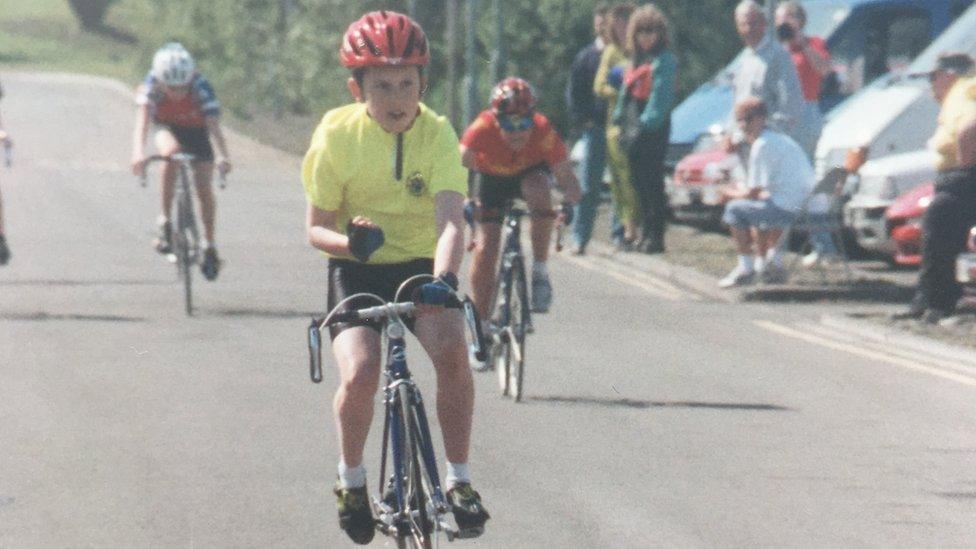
(385, 190)
(953, 208)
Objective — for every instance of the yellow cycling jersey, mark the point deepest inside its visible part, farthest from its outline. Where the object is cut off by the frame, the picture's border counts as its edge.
(958, 109)
(351, 166)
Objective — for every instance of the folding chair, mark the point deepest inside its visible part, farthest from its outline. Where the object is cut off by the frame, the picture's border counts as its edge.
(814, 218)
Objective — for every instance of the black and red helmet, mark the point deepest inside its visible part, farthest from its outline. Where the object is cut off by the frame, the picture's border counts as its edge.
(513, 96)
(384, 38)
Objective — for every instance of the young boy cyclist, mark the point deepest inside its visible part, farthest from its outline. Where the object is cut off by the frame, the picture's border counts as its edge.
(5, 141)
(514, 152)
(181, 102)
(385, 190)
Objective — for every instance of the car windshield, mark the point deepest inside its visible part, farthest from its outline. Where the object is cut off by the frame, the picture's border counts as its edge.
(960, 37)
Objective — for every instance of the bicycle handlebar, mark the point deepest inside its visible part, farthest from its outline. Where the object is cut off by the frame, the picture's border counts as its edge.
(386, 311)
(182, 158)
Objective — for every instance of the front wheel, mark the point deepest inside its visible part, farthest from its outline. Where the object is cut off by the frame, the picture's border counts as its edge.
(519, 326)
(184, 268)
(418, 527)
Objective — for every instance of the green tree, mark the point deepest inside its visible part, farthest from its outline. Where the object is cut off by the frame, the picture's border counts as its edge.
(90, 13)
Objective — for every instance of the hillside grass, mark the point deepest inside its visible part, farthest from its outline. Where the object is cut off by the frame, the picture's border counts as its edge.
(43, 35)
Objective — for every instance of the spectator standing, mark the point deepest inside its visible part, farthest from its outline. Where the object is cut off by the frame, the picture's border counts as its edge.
(766, 72)
(589, 114)
(643, 113)
(953, 208)
(779, 178)
(812, 60)
(606, 85)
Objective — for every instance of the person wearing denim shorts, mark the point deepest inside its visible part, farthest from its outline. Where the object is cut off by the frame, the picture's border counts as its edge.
(780, 178)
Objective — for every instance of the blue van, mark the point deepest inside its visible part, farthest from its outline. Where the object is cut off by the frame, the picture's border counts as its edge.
(866, 38)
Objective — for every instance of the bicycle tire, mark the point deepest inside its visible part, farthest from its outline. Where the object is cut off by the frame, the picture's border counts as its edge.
(501, 349)
(183, 268)
(416, 499)
(519, 324)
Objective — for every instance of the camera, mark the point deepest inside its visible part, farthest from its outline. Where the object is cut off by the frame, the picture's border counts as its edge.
(785, 32)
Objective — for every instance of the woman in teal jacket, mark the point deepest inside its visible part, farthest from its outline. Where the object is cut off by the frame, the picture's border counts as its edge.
(643, 112)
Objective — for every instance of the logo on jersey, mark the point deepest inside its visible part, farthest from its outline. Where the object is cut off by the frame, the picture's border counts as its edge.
(416, 184)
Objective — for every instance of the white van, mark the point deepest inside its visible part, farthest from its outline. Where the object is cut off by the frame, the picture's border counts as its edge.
(880, 136)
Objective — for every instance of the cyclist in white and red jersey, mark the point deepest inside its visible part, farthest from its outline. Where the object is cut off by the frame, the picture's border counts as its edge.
(182, 104)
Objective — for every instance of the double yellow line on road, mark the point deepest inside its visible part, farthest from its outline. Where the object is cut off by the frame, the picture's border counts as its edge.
(840, 340)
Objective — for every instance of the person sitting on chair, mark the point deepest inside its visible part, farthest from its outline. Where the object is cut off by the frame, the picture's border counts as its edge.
(779, 179)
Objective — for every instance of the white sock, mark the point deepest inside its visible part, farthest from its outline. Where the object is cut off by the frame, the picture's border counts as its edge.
(773, 257)
(351, 477)
(457, 473)
(539, 268)
(746, 263)
(760, 263)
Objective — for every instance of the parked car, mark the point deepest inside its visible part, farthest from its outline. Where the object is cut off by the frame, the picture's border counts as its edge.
(861, 36)
(905, 225)
(903, 220)
(878, 184)
(880, 135)
(867, 38)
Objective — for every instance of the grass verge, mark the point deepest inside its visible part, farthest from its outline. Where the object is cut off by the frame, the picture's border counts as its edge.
(43, 35)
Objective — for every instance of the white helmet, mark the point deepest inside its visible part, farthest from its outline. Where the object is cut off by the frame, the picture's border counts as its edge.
(173, 65)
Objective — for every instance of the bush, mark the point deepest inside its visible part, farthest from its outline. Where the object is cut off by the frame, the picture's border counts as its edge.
(90, 13)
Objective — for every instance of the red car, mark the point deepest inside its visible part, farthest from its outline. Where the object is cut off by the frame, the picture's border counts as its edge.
(904, 223)
(695, 188)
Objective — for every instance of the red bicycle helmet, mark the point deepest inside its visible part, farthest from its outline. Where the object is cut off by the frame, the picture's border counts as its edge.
(382, 38)
(513, 96)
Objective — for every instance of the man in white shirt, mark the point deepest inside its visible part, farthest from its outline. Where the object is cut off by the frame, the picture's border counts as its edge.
(779, 179)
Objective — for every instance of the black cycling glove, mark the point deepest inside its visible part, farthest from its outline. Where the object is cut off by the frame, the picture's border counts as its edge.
(363, 241)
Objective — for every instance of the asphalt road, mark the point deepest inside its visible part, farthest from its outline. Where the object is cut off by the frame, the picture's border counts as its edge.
(653, 417)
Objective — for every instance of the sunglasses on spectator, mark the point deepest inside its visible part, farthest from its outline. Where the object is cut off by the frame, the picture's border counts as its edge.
(515, 123)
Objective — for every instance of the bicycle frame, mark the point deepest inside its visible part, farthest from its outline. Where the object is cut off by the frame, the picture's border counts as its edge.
(406, 430)
(511, 259)
(395, 430)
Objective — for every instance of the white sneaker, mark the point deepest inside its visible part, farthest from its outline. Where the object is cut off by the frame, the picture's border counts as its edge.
(811, 259)
(815, 258)
(477, 365)
(737, 277)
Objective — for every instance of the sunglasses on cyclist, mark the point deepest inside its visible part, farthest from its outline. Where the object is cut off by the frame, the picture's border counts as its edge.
(515, 122)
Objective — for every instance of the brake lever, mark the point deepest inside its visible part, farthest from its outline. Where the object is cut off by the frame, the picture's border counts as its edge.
(474, 324)
(315, 350)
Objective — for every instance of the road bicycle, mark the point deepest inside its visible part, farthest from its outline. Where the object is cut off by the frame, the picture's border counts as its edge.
(511, 318)
(185, 236)
(413, 509)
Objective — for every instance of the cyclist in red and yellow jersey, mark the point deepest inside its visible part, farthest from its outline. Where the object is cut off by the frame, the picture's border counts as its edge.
(514, 152)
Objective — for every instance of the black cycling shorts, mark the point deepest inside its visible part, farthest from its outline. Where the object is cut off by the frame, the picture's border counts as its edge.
(494, 191)
(348, 277)
(195, 141)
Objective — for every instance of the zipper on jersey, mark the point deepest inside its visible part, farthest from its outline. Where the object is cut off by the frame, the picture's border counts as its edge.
(398, 161)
